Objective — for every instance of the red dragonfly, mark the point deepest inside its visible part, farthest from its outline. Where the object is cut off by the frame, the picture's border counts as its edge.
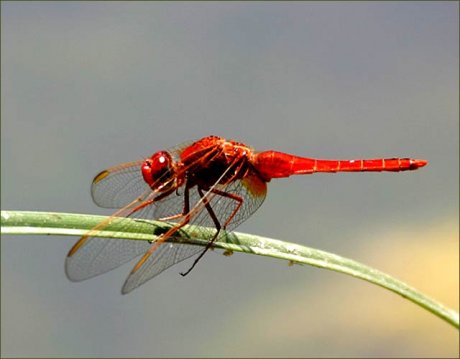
(213, 182)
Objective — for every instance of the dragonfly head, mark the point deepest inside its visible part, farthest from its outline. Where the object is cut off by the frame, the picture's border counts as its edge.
(159, 171)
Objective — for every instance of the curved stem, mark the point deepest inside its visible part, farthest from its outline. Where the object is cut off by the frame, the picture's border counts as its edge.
(19, 222)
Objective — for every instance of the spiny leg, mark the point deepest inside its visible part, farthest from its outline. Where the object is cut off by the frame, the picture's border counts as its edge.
(231, 196)
(167, 234)
(215, 220)
(187, 215)
(185, 209)
(216, 223)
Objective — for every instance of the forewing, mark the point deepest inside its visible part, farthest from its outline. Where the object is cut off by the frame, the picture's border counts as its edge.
(100, 255)
(92, 256)
(119, 185)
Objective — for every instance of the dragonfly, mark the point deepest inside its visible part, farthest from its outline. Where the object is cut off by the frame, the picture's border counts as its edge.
(213, 183)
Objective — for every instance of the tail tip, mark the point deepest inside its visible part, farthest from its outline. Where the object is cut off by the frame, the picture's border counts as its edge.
(418, 164)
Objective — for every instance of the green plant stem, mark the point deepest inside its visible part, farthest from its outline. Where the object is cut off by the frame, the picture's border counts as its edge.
(19, 222)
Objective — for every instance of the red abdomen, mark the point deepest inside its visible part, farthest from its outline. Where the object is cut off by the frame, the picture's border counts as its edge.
(272, 164)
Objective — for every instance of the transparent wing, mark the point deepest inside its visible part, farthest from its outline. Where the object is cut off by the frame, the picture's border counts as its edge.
(92, 256)
(251, 190)
(96, 255)
(119, 185)
(164, 257)
(100, 255)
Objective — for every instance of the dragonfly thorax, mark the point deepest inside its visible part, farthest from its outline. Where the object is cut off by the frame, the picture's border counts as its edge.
(221, 164)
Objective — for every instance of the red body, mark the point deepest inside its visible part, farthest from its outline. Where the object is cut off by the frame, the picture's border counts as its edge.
(207, 159)
(272, 164)
(212, 182)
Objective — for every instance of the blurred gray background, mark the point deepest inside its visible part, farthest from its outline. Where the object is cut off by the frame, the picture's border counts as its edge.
(87, 85)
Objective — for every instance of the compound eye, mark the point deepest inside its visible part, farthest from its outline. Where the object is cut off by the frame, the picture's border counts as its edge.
(158, 171)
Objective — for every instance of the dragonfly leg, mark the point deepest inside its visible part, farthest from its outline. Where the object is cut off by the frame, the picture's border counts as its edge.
(231, 196)
(168, 234)
(174, 216)
(216, 223)
(237, 165)
(148, 202)
(215, 219)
